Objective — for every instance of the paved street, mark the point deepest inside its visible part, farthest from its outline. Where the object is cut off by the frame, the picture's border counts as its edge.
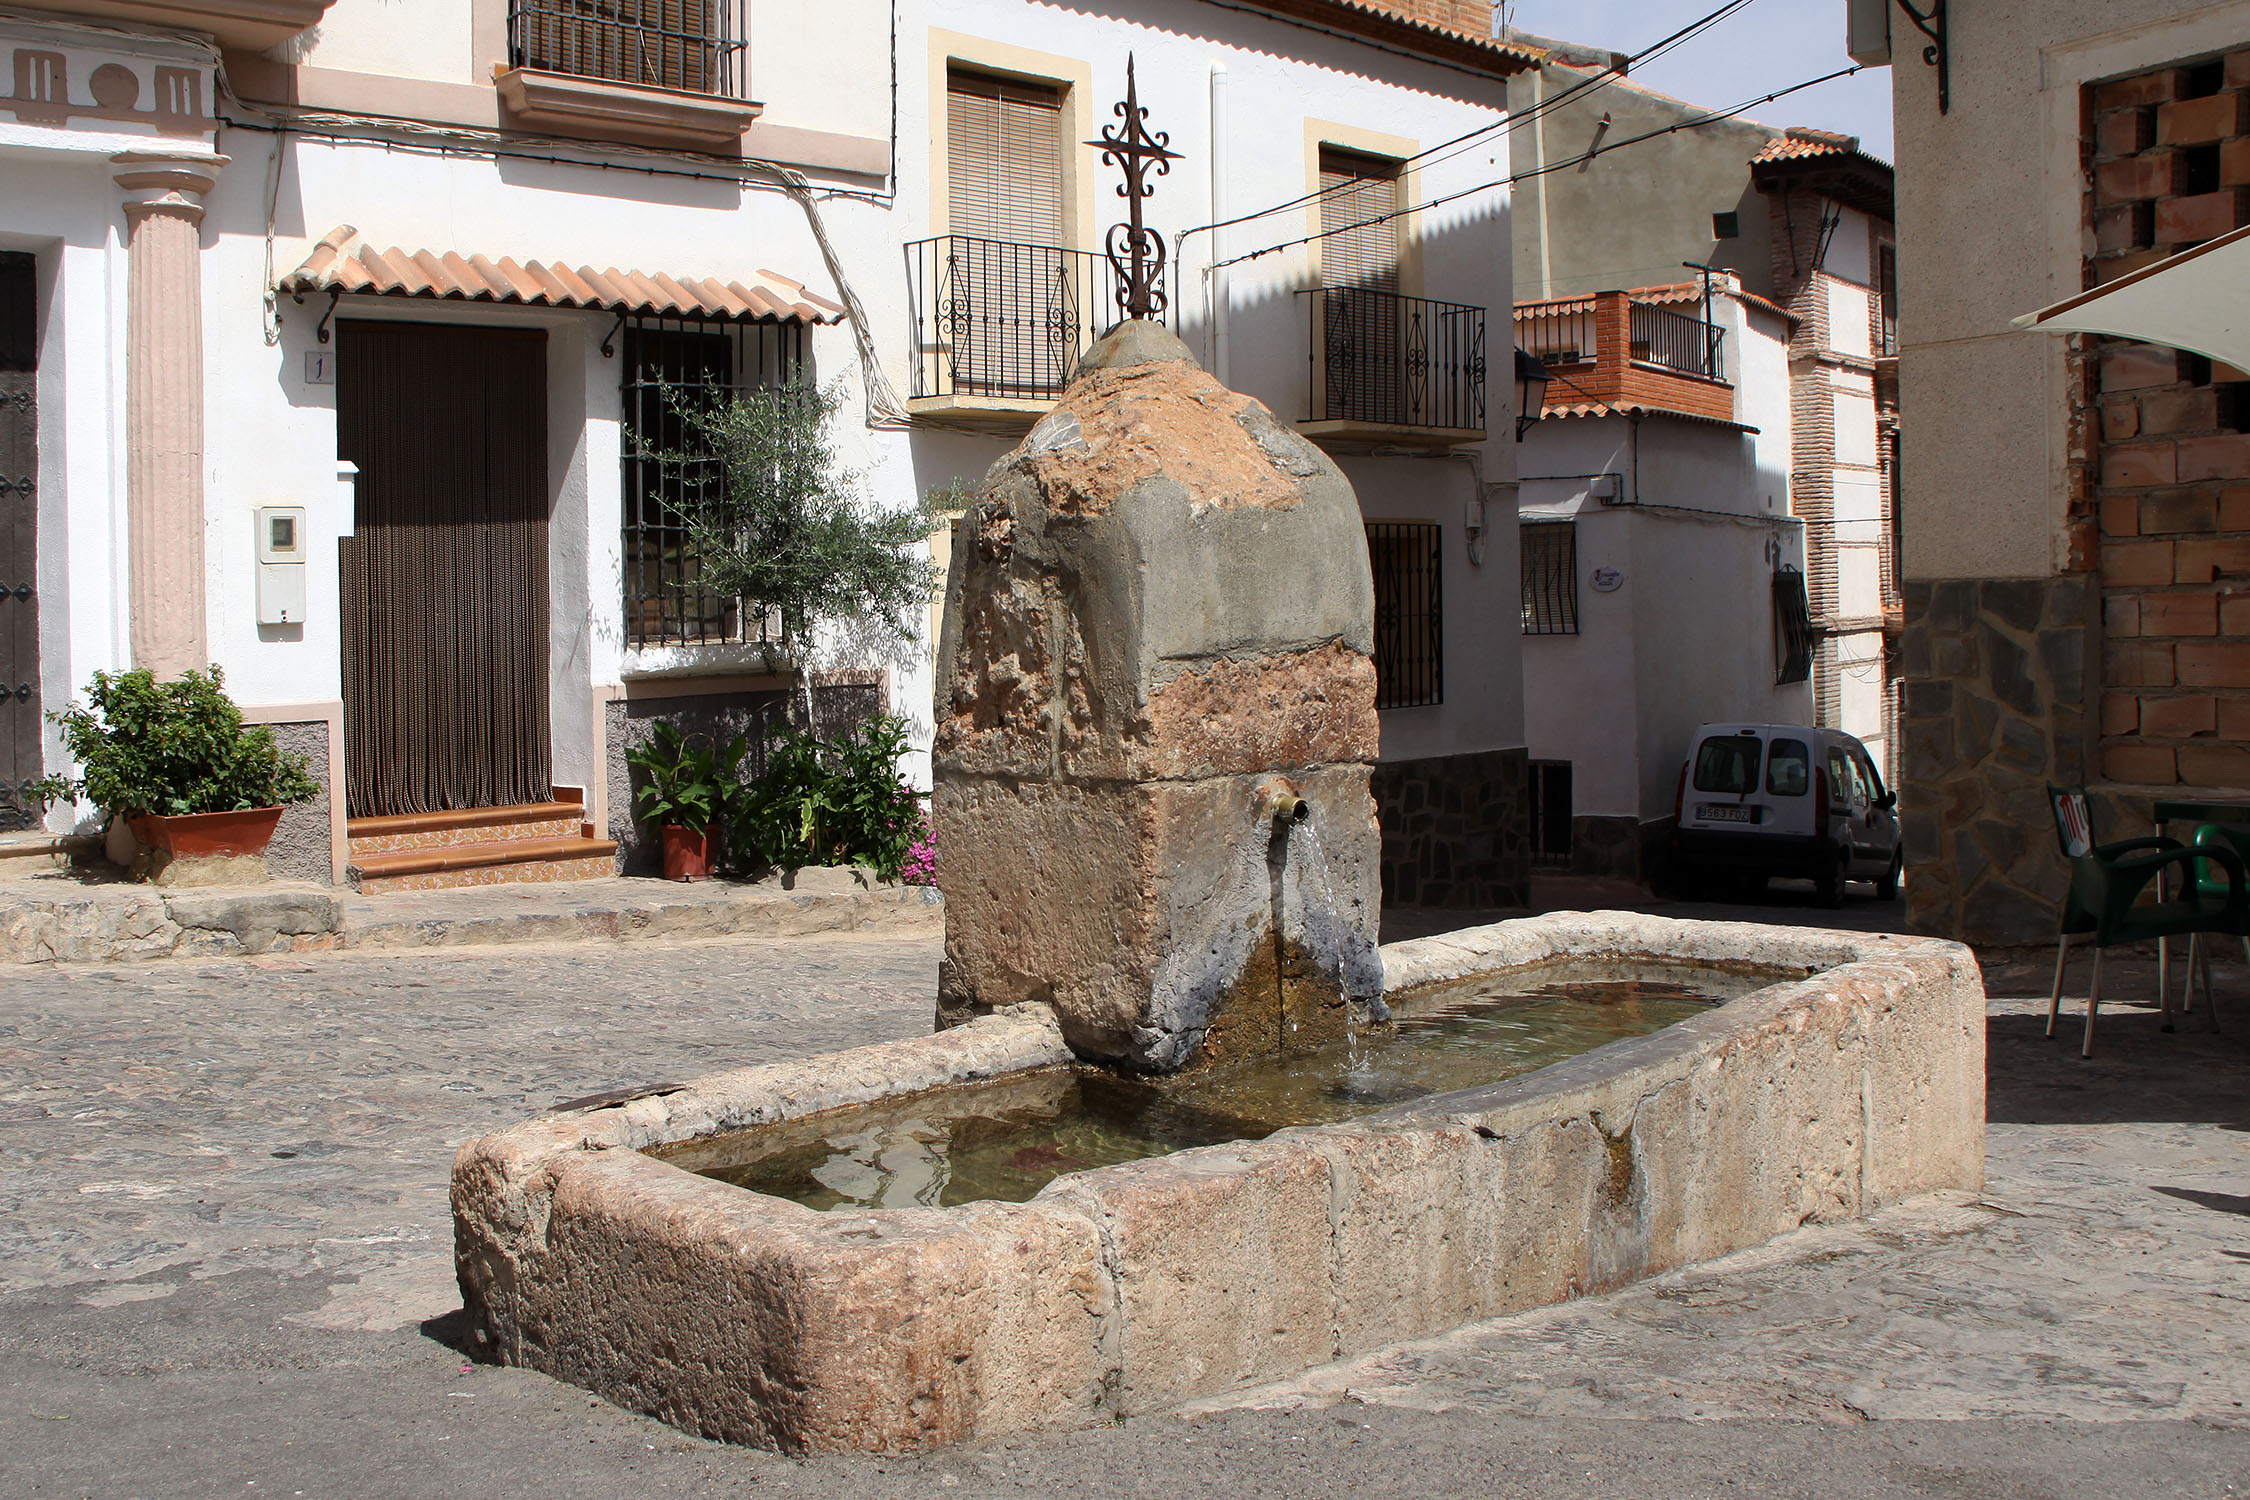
(224, 1268)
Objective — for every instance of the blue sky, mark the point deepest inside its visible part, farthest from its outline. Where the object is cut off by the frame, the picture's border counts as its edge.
(1768, 45)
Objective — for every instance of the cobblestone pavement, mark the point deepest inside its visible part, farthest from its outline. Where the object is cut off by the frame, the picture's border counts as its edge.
(299, 1115)
(224, 1268)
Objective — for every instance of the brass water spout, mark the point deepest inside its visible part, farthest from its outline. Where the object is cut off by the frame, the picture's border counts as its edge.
(1280, 801)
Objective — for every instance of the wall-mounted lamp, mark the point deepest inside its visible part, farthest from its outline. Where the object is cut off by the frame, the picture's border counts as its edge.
(1531, 390)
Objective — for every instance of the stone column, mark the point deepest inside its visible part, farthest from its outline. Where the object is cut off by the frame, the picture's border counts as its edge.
(164, 405)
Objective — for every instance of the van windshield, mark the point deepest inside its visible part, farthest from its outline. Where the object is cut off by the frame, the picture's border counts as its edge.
(1788, 769)
(1728, 765)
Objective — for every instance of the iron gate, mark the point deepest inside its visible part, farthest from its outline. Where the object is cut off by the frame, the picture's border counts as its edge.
(19, 521)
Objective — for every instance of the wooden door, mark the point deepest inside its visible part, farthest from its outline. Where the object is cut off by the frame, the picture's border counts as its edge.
(19, 523)
(445, 575)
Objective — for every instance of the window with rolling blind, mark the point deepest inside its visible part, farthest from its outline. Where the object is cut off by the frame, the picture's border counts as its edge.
(1004, 159)
(1355, 189)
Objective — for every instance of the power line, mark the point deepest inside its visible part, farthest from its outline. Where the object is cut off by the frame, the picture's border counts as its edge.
(1507, 124)
(1516, 177)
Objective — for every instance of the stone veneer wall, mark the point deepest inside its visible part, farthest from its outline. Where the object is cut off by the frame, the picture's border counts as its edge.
(302, 848)
(718, 718)
(1456, 830)
(1995, 710)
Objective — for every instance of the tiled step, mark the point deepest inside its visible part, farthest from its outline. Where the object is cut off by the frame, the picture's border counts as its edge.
(468, 825)
(485, 862)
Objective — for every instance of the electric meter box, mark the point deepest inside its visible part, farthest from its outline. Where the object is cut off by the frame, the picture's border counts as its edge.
(281, 565)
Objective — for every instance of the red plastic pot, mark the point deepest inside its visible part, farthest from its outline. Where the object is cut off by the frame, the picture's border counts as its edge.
(689, 855)
(197, 835)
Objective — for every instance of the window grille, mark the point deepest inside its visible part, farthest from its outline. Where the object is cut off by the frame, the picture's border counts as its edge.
(1409, 633)
(697, 46)
(1550, 578)
(1793, 628)
(1550, 813)
(668, 364)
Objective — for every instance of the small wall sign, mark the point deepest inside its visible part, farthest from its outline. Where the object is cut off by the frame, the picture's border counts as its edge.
(1608, 580)
(320, 367)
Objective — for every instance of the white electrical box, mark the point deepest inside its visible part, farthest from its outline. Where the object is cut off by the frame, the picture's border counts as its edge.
(281, 565)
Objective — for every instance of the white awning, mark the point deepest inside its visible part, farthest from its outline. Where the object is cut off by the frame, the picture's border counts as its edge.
(2198, 300)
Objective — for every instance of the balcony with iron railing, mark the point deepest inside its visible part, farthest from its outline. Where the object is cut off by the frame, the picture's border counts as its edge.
(1387, 367)
(1613, 349)
(252, 25)
(999, 326)
(664, 72)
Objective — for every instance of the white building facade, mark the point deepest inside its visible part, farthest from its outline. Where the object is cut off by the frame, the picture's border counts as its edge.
(418, 278)
(1664, 571)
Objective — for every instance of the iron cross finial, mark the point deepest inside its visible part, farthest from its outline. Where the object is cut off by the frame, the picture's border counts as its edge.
(1135, 251)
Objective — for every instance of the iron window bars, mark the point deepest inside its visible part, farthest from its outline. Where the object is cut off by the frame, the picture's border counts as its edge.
(1401, 361)
(1678, 342)
(1000, 319)
(1550, 813)
(696, 46)
(1550, 578)
(1409, 616)
(1794, 640)
(668, 364)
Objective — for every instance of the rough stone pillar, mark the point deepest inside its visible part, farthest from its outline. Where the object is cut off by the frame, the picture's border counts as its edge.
(164, 406)
(1155, 725)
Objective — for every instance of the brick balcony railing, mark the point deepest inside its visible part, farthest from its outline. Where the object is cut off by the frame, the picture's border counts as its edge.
(1618, 351)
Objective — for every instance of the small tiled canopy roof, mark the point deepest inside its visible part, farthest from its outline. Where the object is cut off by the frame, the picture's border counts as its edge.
(764, 296)
(1802, 141)
(1554, 409)
(1828, 163)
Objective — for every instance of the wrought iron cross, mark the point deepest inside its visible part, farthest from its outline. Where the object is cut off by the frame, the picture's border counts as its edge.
(1136, 252)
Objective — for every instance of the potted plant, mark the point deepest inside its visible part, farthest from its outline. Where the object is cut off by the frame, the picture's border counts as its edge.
(173, 761)
(684, 795)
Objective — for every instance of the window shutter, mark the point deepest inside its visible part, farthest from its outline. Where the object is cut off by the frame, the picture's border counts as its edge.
(1365, 256)
(1004, 149)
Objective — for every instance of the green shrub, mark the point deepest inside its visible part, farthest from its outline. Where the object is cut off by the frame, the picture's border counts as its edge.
(683, 786)
(829, 802)
(171, 748)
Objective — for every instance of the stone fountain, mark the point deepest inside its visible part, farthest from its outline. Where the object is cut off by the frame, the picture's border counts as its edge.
(1156, 723)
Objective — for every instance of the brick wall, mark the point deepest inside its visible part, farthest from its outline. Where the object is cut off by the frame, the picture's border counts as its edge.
(2171, 474)
(1471, 16)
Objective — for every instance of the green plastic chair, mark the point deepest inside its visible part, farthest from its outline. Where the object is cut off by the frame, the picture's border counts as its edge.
(2211, 894)
(2107, 881)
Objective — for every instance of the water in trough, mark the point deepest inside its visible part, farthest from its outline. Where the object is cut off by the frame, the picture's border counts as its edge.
(1008, 1138)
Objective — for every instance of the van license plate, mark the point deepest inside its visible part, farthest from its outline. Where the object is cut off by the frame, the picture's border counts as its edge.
(1712, 814)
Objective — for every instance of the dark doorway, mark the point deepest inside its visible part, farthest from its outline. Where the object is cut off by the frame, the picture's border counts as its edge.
(19, 531)
(445, 574)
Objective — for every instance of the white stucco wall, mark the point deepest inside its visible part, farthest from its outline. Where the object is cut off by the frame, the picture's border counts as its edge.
(1701, 520)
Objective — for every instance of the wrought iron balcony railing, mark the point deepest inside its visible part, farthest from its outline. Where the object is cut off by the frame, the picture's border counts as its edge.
(1002, 320)
(1388, 360)
(1677, 342)
(696, 46)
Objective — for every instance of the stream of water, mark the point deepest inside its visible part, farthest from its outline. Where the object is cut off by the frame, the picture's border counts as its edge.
(1007, 1138)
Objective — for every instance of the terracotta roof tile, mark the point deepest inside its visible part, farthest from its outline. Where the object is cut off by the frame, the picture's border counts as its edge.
(335, 266)
(1801, 141)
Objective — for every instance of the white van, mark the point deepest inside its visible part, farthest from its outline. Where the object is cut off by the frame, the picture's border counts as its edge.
(1760, 800)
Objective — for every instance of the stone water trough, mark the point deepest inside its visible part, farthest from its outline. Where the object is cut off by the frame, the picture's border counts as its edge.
(1155, 727)
(1132, 1288)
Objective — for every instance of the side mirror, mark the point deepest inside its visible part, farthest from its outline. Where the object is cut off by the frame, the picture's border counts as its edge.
(1887, 800)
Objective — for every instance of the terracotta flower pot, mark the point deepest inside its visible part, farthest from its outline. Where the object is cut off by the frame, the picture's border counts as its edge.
(200, 835)
(689, 855)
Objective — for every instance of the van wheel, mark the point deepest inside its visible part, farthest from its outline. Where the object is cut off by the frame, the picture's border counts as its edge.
(1830, 886)
(1887, 886)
